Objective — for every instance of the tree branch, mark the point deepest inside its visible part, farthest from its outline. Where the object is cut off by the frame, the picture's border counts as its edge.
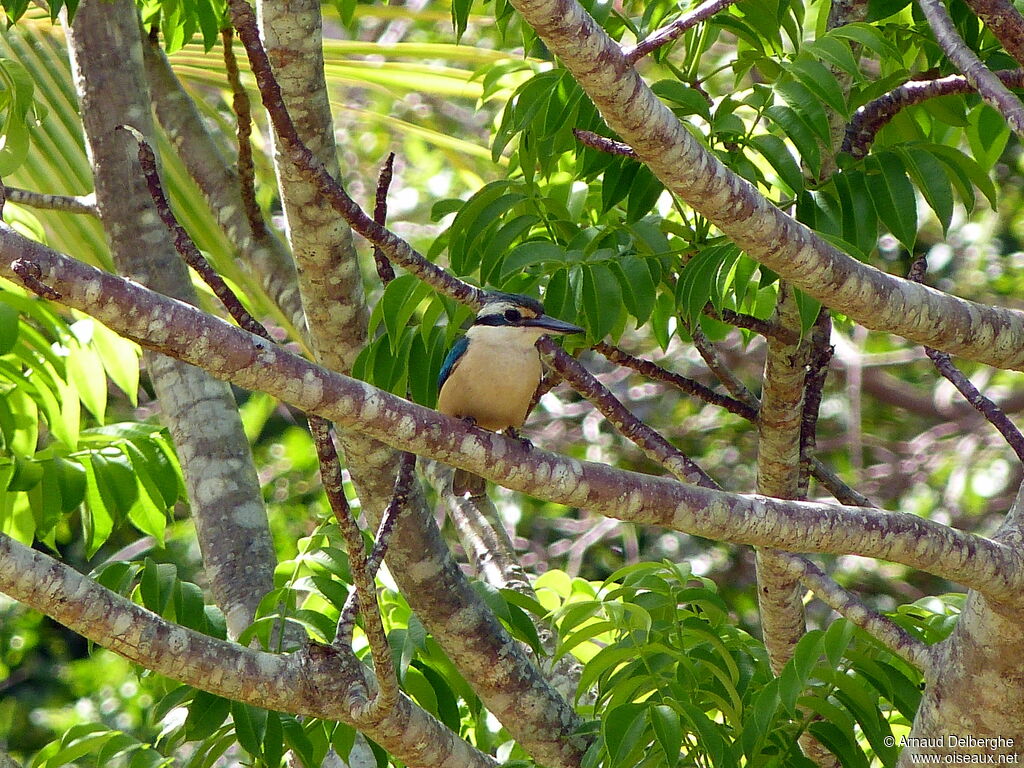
(876, 114)
(84, 204)
(988, 86)
(779, 594)
(863, 293)
(676, 29)
(321, 684)
(228, 352)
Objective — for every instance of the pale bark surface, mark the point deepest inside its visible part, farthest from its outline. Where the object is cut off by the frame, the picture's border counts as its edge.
(226, 501)
(317, 681)
(154, 321)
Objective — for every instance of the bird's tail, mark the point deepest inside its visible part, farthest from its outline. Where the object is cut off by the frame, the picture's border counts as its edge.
(464, 482)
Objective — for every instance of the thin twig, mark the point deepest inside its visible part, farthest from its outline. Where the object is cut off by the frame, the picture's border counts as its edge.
(656, 447)
(330, 464)
(80, 204)
(944, 364)
(399, 501)
(184, 244)
(603, 143)
(380, 212)
(398, 250)
(333, 484)
(988, 86)
(819, 357)
(689, 386)
(675, 30)
(243, 117)
(722, 372)
(876, 114)
(848, 605)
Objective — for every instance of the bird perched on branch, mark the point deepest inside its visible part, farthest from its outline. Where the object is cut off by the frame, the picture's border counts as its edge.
(491, 374)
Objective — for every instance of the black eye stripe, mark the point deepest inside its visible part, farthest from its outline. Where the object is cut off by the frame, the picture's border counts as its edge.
(513, 315)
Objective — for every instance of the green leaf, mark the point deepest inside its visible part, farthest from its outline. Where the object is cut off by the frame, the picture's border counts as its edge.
(690, 101)
(869, 36)
(893, 196)
(799, 132)
(85, 369)
(273, 739)
(206, 714)
(860, 222)
(530, 254)
(817, 78)
(297, 741)
(932, 180)
(777, 154)
(617, 181)
(622, 728)
(808, 307)
(602, 299)
(841, 744)
(9, 324)
(667, 728)
(98, 519)
(638, 289)
(698, 281)
(806, 105)
(497, 246)
(643, 194)
(836, 51)
(987, 134)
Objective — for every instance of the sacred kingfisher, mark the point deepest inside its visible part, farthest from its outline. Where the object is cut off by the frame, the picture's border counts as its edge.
(491, 374)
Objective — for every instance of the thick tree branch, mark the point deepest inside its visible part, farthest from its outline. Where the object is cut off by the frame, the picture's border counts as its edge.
(779, 594)
(227, 504)
(313, 682)
(865, 294)
(1005, 22)
(306, 163)
(228, 352)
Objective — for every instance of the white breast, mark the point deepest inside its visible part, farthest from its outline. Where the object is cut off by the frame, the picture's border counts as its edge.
(496, 378)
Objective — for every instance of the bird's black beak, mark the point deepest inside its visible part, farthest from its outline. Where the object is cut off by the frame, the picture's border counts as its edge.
(552, 325)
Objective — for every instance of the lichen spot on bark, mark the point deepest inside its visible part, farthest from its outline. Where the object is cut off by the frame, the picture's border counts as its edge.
(312, 387)
(406, 427)
(464, 621)
(473, 447)
(122, 623)
(371, 404)
(93, 290)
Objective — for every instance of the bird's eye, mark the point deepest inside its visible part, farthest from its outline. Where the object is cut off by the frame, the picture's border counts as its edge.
(513, 316)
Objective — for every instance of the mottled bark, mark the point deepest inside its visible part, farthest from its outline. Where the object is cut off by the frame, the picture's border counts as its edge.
(178, 329)
(988, 86)
(317, 681)
(227, 505)
(217, 179)
(330, 284)
(863, 293)
(1005, 22)
(779, 594)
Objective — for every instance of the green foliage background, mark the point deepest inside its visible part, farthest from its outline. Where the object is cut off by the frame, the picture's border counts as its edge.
(503, 193)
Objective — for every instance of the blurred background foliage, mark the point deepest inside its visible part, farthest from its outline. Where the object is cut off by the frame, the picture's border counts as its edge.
(492, 183)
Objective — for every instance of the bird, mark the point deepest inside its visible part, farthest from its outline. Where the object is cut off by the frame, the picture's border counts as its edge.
(492, 372)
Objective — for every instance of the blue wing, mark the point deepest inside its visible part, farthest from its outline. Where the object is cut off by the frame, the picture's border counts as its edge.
(457, 351)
